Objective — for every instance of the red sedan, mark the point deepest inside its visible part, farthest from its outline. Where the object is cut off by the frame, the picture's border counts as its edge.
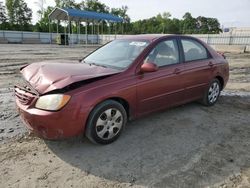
(124, 79)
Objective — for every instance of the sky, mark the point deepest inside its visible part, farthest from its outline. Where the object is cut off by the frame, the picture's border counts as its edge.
(229, 13)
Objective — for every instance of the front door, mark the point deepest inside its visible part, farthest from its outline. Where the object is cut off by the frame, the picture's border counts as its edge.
(163, 88)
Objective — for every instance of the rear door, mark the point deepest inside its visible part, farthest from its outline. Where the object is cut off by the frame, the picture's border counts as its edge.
(198, 68)
(163, 88)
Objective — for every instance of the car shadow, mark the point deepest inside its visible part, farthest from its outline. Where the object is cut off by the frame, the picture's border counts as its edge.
(185, 146)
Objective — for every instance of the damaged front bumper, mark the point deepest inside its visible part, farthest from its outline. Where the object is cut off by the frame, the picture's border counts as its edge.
(68, 122)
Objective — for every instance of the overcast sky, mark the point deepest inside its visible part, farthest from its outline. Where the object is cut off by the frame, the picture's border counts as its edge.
(230, 13)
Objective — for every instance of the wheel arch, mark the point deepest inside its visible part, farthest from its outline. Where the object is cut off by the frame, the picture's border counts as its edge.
(120, 100)
(124, 103)
(221, 80)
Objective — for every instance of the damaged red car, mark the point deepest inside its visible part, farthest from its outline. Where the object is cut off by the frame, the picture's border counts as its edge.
(124, 79)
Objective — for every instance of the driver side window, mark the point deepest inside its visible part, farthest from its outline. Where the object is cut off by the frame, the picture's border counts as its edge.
(165, 53)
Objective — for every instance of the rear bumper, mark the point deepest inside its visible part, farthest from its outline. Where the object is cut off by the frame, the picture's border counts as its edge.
(68, 122)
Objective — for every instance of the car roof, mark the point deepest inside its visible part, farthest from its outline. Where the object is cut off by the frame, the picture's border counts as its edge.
(148, 37)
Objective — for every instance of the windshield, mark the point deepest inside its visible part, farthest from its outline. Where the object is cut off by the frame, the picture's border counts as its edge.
(117, 54)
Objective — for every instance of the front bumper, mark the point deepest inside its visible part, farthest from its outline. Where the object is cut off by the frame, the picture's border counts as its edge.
(68, 122)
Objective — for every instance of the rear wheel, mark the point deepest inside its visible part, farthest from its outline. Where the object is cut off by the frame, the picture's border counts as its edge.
(212, 94)
(106, 122)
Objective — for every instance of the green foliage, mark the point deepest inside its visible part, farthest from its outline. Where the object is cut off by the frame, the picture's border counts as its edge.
(189, 24)
(40, 4)
(208, 25)
(3, 17)
(43, 24)
(66, 3)
(19, 18)
(19, 15)
(95, 5)
(163, 23)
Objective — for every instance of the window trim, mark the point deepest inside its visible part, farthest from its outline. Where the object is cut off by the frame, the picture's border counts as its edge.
(209, 56)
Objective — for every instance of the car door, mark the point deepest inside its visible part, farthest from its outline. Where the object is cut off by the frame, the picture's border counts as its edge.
(163, 88)
(198, 68)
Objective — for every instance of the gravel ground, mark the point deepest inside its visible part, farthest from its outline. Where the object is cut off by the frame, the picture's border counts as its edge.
(187, 146)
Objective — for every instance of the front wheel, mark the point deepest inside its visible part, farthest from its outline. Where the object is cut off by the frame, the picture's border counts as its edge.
(212, 94)
(106, 122)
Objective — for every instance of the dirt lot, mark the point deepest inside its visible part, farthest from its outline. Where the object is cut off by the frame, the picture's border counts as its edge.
(188, 146)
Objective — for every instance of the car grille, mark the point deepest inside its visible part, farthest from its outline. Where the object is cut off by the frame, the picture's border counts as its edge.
(25, 93)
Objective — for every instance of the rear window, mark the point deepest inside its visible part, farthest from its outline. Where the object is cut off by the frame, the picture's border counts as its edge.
(193, 50)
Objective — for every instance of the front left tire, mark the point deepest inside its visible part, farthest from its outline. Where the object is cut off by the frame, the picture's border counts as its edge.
(106, 122)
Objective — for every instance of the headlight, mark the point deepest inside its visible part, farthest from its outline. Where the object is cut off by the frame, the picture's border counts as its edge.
(52, 102)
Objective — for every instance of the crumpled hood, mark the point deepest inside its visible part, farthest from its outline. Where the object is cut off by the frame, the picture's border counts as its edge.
(50, 75)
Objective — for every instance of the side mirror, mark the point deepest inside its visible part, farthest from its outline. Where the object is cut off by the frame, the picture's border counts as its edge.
(149, 67)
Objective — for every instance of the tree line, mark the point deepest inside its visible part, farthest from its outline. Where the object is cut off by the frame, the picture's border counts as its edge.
(16, 15)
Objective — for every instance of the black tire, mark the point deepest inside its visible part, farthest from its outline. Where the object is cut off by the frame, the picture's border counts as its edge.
(93, 130)
(208, 100)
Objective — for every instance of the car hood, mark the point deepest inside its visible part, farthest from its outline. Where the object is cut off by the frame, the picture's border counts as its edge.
(51, 75)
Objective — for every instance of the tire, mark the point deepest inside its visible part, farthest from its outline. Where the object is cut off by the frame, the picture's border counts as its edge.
(212, 94)
(106, 122)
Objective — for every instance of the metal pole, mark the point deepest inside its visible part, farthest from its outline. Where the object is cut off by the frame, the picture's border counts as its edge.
(122, 28)
(57, 27)
(98, 33)
(50, 32)
(65, 35)
(72, 32)
(69, 35)
(115, 30)
(109, 30)
(102, 32)
(92, 41)
(86, 33)
(79, 32)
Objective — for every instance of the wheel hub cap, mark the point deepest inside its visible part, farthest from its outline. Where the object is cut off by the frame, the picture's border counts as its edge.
(213, 92)
(109, 124)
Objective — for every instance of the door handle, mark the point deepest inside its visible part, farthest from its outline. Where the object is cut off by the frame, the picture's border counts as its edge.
(210, 64)
(177, 71)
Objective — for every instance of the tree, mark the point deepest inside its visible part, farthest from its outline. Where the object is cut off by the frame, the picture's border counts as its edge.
(19, 14)
(3, 17)
(23, 14)
(97, 6)
(11, 11)
(163, 23)
(40, 4)
(189, 24)
(213, 25)
(66, 4)
(122, 12)
(43, 24)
